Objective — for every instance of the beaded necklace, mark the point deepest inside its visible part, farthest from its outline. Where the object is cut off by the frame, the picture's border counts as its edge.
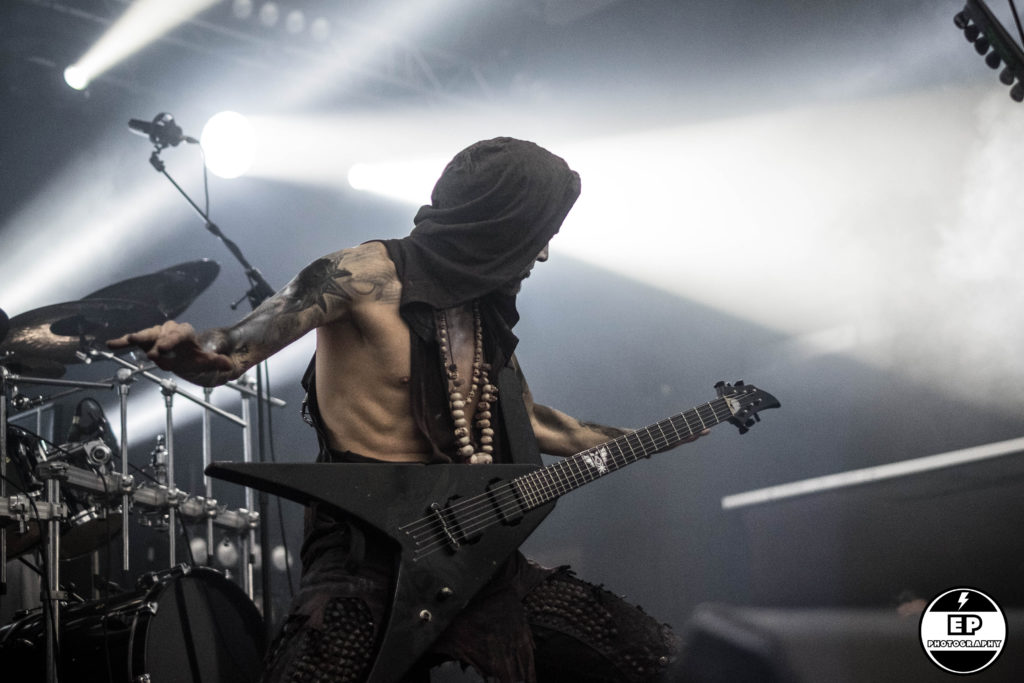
(457, 401)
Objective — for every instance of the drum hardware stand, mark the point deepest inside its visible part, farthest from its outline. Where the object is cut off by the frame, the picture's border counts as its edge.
(259, 291)
(246, 387)
(249, 541)
(125, 377)
(52, 598)
(9, 380)
(4, 376)
(168, 388)
(208, 483)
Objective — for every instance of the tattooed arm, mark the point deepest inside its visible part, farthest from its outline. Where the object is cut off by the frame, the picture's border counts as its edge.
(561, 434)
(324, 291)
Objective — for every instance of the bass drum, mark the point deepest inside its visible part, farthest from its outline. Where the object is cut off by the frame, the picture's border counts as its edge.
(188, 626)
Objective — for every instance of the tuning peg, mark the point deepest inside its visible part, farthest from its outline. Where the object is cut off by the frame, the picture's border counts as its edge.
(1006, 76)
(1017, 92)
(962, 20)
(981, 45)
(993, 60)
(971, 33)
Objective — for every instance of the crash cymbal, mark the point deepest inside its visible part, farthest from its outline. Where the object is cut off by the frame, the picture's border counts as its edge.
(170, 290)
(52, 334)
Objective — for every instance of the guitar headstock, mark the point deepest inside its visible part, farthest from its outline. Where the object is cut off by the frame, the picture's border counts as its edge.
(745, 401)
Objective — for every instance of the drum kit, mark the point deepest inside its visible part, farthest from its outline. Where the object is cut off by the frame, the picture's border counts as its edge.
(62, 501)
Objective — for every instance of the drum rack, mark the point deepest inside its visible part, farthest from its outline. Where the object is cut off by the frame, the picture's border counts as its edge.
(162, 498)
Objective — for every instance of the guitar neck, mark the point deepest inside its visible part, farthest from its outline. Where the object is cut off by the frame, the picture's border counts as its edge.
(548, 483)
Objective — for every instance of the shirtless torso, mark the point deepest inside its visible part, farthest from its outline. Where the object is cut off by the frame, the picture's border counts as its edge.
(351, 298)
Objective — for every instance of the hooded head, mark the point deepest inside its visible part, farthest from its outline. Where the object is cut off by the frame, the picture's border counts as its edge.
(493, 210)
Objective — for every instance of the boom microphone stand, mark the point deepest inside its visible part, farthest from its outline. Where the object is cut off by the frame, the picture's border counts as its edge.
(163, 133)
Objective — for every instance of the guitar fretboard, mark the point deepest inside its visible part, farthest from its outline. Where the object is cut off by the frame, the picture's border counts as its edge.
(547, 483)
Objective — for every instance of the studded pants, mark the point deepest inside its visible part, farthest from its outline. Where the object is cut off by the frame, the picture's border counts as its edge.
(580, 632)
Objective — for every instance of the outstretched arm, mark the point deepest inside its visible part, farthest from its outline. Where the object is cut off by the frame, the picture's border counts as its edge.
(324, 291)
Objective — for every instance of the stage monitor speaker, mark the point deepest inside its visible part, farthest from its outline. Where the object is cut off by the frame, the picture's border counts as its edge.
(725, 644)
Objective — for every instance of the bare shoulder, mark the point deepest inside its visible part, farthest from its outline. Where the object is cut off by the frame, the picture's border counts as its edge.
(350, 276)
(368, 263)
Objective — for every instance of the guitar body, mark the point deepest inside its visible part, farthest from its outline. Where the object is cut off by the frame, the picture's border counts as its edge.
(454, 525)
(430, 588)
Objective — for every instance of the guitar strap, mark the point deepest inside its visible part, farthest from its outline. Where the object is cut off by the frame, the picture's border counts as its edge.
(522, 443)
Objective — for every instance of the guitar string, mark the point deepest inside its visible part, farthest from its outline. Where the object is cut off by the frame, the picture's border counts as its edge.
(552, 484)
(471, 526)
(635, 436)
(504, 499)
(499, 498)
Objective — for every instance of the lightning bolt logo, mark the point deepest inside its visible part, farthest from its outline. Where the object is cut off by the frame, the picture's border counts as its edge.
(962, 600)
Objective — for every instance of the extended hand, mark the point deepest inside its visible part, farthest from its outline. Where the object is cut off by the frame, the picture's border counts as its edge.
(176, 347)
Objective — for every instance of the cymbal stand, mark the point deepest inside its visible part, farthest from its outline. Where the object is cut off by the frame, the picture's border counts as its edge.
(4, 374)
(125, 377)
(207, 459)
(249, 544)
(168, 388)
(53, 597)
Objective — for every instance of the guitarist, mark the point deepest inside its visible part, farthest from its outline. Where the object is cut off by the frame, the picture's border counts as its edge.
(414, 363)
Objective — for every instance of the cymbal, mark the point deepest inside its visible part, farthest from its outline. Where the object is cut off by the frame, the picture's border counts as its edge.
(171, 290)
(52, 334)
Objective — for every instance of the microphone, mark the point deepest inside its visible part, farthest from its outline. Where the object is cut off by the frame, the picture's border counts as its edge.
(162, 131)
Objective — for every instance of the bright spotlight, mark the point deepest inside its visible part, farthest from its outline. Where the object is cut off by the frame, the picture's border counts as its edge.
(141, 23)
(76, 77)
(228, 142)
(409, 181)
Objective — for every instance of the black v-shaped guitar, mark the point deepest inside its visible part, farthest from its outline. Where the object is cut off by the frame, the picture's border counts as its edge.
(454, 525)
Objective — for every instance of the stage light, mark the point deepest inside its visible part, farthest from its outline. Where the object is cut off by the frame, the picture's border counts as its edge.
(76, 78)
(409, 181)
(242, 9)
(269, 14)
(74, 234)
(141, 23)
(320, 29)
(295, 22)
(229, 144)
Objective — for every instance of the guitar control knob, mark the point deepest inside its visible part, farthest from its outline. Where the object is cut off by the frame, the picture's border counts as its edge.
(445, 593)
(425, 615)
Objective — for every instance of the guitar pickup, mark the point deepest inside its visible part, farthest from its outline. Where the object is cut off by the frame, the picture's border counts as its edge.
(506, 502)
